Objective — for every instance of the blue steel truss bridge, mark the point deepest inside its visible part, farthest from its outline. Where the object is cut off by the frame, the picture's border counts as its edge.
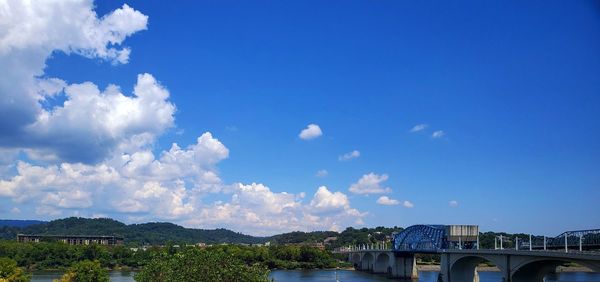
(528, 259)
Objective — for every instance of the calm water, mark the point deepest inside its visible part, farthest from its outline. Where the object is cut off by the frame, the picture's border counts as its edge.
(116, 276)
(424, 276)
(343, 276)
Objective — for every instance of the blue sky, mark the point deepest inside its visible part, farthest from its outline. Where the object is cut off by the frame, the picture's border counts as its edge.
(512, 88)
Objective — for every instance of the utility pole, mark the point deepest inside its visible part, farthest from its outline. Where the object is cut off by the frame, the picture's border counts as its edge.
(517, 243)
(566, 246)
(501, 246)
(581, 242)
(530, 245)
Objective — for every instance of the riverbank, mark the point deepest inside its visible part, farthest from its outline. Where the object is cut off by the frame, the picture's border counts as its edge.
(433, 267)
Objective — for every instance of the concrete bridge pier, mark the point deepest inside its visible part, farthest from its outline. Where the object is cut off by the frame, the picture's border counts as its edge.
(394, 265)
(404, 266)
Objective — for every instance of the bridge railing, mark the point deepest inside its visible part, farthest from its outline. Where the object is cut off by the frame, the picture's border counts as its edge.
(580, 240)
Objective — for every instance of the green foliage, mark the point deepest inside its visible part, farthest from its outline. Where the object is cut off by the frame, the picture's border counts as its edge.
(193, 264)
(58, 255)
(85, 271)
(350, 236)
(10, 272)
(157, 233)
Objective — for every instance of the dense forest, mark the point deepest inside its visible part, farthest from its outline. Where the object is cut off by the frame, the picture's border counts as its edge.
(161, 233)
(58, 255)
(156, 233)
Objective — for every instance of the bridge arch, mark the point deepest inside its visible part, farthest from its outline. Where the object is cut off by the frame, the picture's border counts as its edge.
(420, 238)
(355, 259)
(382, 263)
(367, 261)
(536, 268)
(464, 268)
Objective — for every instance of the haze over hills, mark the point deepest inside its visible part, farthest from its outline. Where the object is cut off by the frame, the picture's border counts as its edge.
(160, 233)
(19, 223)
(153, 233)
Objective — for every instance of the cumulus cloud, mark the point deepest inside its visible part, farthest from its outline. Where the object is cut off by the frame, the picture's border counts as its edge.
(92, 151)
(453, 204)
(385, 200)
(142, 186)
(322, 173)
(418, 127)
(92, 123)
(312, 131)
(350, 155)
(257, 209)
(29, 33)
(438, 134)
(407, 204)
(324, 200)
(370, 184)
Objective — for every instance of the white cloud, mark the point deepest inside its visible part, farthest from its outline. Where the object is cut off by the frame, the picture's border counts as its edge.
(453, 204)
(68, 26)
(385, 200)
(418, 127)
(91, 150)
(172, 186)
(312, 131)
(350, 155)
(438, 134)
(407, 204)
(322, 173)
(370, 184)
(92, 123)
(258, 210)
(324, 200)
(29, 33)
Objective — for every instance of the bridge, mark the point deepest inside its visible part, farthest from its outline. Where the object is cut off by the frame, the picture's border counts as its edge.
(458, 246)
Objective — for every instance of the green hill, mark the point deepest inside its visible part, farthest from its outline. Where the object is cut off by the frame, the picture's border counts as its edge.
(161, 233)
(155, 233)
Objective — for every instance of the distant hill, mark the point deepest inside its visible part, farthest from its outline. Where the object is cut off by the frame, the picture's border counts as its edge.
(161, 233)
(19, 223)
(155, 233)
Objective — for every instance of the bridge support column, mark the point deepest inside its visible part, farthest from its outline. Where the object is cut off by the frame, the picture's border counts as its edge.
(404, 267)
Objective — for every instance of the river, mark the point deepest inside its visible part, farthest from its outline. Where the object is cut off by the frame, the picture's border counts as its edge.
(345, 276)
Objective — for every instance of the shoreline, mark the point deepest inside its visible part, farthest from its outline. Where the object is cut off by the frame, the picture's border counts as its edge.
(559, 269)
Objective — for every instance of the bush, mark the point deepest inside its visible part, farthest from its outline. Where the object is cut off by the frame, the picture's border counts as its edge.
(9, 272)
(85, 271)
(201, 265)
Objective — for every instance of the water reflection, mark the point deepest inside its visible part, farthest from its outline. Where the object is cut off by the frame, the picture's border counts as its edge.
(345, 276)
(48, 276)
(424, 276)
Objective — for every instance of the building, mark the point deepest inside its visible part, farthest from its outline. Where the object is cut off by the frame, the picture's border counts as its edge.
(72, 239)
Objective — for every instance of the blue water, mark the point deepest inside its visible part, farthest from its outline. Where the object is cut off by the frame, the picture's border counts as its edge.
(424, 276)
(115, 276)
(344, 276)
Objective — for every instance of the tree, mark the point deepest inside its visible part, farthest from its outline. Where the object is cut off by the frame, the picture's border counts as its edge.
(85, 271)
(9, 272)
(201, 265)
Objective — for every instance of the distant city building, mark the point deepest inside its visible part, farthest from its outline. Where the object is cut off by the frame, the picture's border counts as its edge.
(72, 239)
(328, 240)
